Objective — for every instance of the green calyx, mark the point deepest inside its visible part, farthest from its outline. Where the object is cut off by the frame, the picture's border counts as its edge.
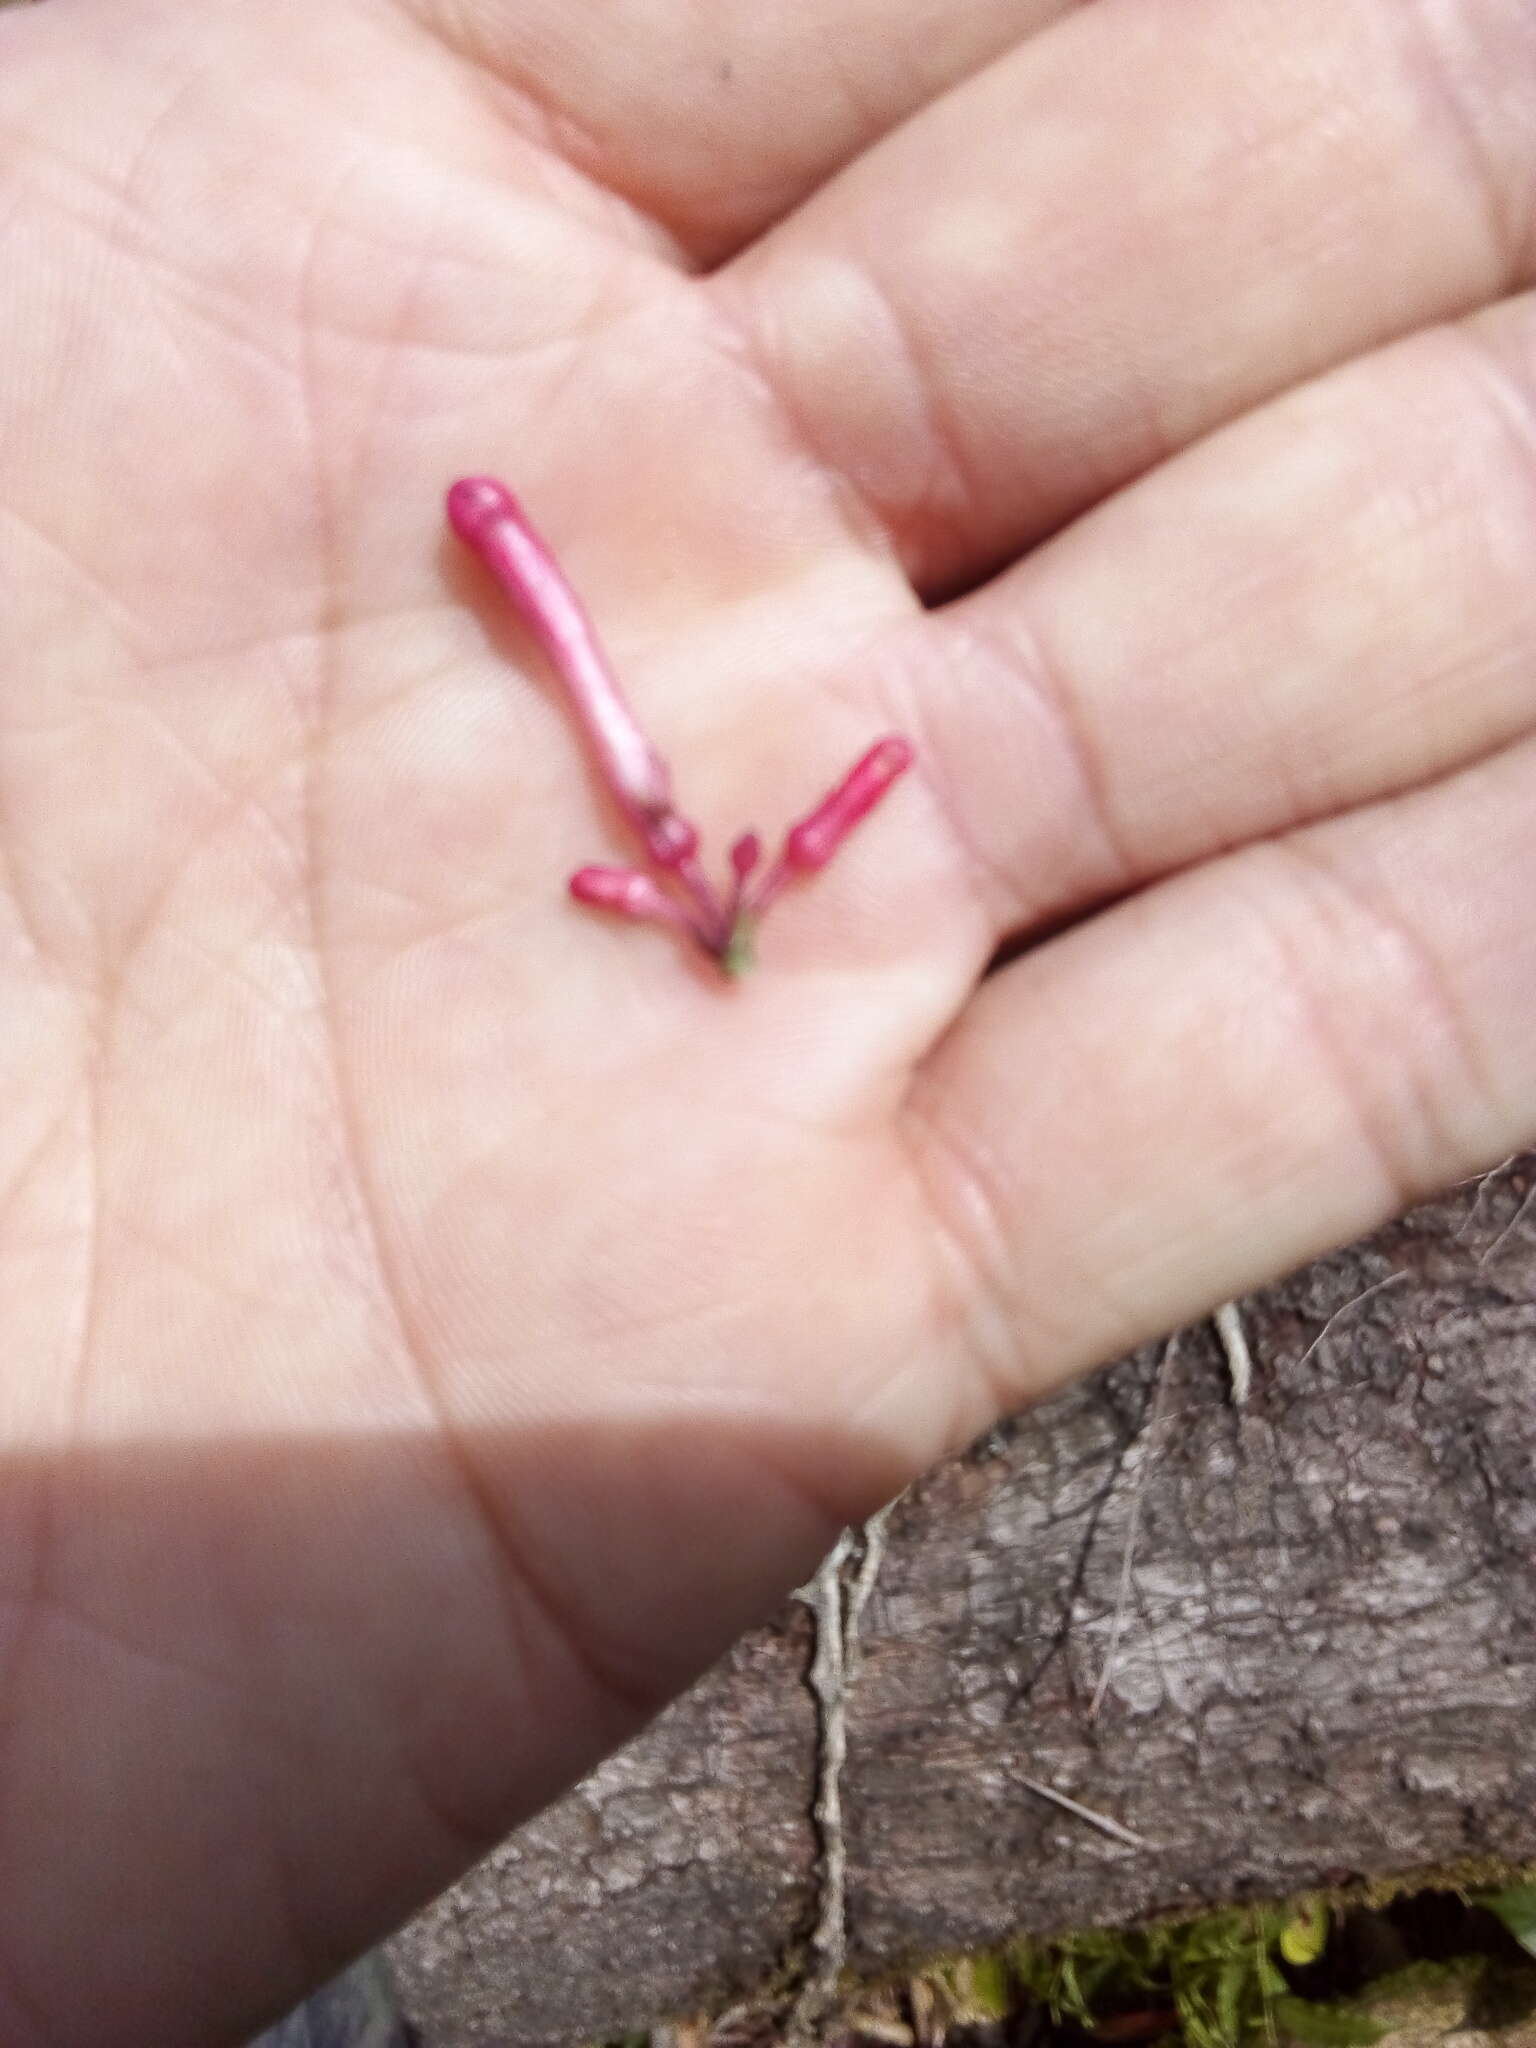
(740, 955)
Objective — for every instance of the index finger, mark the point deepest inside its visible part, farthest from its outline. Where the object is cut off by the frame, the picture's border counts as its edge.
(716, 121)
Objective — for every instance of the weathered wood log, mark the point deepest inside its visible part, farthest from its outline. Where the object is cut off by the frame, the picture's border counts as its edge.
(1310, 1624)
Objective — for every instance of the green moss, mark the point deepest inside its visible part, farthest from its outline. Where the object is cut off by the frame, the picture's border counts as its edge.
(1217, 1974)
(1428, 1983)
(1515, 1905)
(1467, 1878)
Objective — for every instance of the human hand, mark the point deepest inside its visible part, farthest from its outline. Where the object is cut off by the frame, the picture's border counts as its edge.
(436, 1320)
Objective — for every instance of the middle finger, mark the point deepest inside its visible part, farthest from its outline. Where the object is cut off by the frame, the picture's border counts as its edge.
(1326, 603)
(1129, 229)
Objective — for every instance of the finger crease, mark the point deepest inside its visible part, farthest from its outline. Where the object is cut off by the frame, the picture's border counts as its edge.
(1507, 212)
(1026, 656)
(958, 1182)
(1380, 1125)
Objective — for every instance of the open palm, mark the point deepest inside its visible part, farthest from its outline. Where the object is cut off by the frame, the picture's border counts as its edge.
(436, 1319)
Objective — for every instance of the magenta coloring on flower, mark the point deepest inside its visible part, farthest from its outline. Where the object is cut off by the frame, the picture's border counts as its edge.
(488, 519)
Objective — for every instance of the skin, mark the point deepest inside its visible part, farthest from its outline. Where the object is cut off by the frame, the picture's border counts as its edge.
(437, 1319)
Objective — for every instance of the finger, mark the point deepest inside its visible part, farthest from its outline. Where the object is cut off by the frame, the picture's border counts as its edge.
(1126, 231)
(1324, 604)
(715, 121)
(1212, 1083)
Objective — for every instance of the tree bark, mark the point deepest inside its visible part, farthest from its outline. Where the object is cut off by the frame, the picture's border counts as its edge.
(1309, 1623)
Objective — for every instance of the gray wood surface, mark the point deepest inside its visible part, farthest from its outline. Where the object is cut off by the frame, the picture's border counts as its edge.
(358, 2010)
(1326, 1665)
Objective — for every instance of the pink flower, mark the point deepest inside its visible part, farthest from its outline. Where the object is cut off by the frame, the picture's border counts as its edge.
(486, 516)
